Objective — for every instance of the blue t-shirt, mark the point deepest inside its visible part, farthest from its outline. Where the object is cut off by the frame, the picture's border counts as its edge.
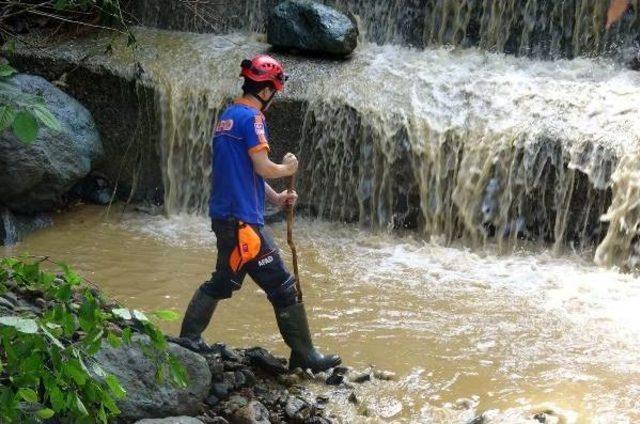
(236, 190)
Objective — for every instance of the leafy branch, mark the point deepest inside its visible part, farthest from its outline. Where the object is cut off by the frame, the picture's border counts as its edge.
(47, 367)
(21, 111)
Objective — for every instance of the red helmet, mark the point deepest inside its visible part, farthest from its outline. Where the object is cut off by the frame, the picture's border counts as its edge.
(264, 68)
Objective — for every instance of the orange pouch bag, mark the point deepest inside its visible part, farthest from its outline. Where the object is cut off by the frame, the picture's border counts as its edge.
(248, 247)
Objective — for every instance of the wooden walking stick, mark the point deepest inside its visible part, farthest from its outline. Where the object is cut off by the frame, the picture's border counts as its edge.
(292, 246)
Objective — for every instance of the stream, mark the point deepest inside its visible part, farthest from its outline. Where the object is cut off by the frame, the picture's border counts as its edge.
(465, 331)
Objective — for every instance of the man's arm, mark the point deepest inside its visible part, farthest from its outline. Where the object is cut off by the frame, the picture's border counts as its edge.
(268, 169)
(281, 199)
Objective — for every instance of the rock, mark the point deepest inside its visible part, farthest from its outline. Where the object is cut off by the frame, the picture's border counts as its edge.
(268, 363)
(298, 409)
(249, 377)
(289, 380)
(354, 399)
(241, 380)
(229, 378)
(94, 188)
(15, 227)
(234, 403)
(146, 398)
(34, 178)
(335, 379)
(311, 26)
(220, 390)
(229, 354)
(253, 413)
(384, 375)
(362, 378)
(212, 400)
(170, 420)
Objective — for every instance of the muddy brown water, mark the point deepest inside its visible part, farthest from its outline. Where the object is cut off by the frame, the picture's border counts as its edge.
(465, 331)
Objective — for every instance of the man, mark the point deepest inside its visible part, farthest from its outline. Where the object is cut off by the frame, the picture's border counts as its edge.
(240, 166)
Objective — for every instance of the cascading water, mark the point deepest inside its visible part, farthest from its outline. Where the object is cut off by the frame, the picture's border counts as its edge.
(540, 28)
(460, 143)
(470, 144)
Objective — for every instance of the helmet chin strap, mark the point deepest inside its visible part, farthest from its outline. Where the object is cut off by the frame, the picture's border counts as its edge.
(265, 103)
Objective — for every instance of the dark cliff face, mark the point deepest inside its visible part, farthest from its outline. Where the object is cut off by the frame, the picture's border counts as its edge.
(537, 28)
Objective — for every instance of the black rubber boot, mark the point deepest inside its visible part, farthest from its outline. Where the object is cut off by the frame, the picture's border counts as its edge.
(196, 319)
(294, 327)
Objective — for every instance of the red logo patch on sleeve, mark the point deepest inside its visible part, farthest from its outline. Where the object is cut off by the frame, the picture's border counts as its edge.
(258, 125)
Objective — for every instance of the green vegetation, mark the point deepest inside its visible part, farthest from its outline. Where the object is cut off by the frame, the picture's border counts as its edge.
(22, 112)
(46, 360)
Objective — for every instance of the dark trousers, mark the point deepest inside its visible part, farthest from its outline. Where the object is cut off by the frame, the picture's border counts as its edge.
(266, 269)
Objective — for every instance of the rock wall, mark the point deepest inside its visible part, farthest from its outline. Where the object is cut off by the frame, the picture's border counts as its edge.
(124, 113)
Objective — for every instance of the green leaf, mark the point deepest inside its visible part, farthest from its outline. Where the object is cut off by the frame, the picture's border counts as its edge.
(7, 115)
(114, 340)
(45, 413)
(10, 46)
(23, 325)
(74, 370)
(25, 127)
(115, 387)
(178, 372)
(81, 408)
(126, 335)
(45, 116)
(166, 315)
(6, 70)
(51, 337)
(29, 395)
(121, 313)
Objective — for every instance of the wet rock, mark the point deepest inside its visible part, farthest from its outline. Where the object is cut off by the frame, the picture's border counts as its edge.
(249, 377)
(94, 188)
(252, 413)
(317, 420)
(220, 390)
(217, 369)
(34, 178)
(362, 378)
(268, 363)
(335, 379)
(147, 398)
(229, 378)
(310, 26)
(354, 399)
(229, 354)
(384, 375)
(15, 227)
(212, 400)
(234, 403)
(289, 380)
(170, 420)
(298, 409)
(547, 417)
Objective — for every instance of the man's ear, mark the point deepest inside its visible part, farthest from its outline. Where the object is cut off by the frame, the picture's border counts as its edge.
(266, 92)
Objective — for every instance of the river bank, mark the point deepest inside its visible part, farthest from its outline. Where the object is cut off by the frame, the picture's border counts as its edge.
(242, 386)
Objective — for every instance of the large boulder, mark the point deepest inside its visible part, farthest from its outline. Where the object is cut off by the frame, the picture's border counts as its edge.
(33, 178)
(148, 398)
(311, 26)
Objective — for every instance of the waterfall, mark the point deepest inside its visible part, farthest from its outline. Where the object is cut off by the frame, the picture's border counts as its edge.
(8, 230)
(461, 144)
(538, 28)
(472, 145)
